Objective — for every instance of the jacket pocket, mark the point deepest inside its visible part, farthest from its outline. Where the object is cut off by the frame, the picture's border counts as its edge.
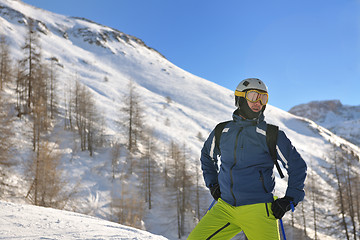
(263, 181)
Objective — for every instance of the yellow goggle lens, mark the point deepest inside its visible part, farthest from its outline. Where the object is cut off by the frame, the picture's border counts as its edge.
(254, 96)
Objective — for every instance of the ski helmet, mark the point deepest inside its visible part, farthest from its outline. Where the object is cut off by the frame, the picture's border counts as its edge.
(247, 84)
(251, 83)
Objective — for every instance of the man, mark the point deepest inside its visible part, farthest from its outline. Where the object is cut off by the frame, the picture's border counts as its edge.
(244, 184)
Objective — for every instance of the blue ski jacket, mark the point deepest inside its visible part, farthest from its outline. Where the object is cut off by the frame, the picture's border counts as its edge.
(244, 170)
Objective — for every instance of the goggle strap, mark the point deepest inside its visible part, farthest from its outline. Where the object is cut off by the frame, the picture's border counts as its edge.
(239, 94)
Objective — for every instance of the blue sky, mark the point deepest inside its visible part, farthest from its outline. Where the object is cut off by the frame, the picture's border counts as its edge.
(303, 50)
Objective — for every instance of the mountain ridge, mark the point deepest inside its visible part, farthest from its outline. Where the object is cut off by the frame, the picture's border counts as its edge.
(333, 115)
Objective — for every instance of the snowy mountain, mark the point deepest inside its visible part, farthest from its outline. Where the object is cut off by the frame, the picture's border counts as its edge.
(29, 222)
(340, 119)
(178, 106)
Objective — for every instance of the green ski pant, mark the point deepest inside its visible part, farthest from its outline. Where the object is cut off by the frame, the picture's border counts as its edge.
(224, 221)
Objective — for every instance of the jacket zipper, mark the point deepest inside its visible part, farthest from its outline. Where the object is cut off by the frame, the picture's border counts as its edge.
(231, 176)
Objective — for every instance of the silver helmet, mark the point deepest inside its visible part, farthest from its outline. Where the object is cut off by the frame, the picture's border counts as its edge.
(251, 83)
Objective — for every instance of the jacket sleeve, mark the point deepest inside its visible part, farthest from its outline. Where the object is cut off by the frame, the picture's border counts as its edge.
(209, 160)
(295, 166)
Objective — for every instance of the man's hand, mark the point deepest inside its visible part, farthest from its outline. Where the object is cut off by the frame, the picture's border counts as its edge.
(281, 205)
(215, 191)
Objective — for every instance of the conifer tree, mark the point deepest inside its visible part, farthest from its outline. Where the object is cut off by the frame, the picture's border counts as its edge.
(340, 193)
(40, 118)
(5, 62)
(6, 139)
(132, 118)
(115, 155)
(313, 196)
(52, 87)
(149, 165)
(197, 191)
(346, 165)
(89, 122)
(126, 206)
(29, 64)
(48, 186)
(181, 184)
(132, 122)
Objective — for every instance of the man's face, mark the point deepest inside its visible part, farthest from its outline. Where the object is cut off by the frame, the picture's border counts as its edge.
(255, 106)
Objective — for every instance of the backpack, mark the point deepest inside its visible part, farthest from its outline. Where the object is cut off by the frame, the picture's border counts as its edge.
(271, 140)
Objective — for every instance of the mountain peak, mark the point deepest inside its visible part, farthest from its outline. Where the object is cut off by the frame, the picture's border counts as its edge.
(333, 115)
(316, 109)
(49, 23)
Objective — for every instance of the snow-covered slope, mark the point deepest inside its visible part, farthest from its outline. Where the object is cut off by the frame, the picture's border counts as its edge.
(178, 106)
(340, 119)
(93, 52)
(29, 222)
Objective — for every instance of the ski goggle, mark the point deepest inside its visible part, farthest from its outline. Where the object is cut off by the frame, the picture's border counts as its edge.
(254, 96)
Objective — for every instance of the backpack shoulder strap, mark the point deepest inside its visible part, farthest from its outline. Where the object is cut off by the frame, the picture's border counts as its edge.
(271, 140)
(218, 131)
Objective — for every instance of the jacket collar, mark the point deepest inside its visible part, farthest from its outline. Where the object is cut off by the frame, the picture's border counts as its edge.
(247, 122)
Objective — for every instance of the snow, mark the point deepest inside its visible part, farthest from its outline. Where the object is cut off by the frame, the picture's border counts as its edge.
(196, 106)
(29, 222)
